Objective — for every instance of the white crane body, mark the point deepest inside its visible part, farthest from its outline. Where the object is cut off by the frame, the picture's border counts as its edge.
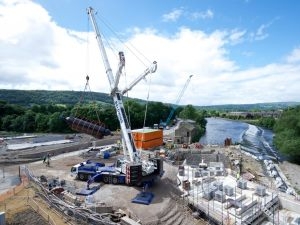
(148, 166)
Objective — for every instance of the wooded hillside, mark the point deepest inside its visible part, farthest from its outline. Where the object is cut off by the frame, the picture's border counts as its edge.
(41, 97)
(287, 133)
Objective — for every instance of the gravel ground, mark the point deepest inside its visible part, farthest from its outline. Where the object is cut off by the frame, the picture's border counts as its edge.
(120, 196)
(292, 173)
(165, 205)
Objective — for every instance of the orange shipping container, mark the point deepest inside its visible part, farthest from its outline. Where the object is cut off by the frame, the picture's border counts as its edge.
(148, 144)
(147, 134)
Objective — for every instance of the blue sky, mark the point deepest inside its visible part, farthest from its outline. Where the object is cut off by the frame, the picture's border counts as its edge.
(239, 51)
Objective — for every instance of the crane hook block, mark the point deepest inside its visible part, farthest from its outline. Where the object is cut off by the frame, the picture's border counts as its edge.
(122, 58)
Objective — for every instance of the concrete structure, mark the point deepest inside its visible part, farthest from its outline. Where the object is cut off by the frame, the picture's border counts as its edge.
(185, 133)
(227, 200)
(233, 205)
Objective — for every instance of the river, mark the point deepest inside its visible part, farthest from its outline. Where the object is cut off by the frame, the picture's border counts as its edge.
(253, 139)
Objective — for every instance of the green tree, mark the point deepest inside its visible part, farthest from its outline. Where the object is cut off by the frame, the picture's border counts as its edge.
(41, 122)
(135, 113)
(29, 121)
(56, 123)
(267, 122)
(109, 117)
(156, 112)
(7, 122)
(9, 109)
(189, 112)
(287, 133)
(17, 124)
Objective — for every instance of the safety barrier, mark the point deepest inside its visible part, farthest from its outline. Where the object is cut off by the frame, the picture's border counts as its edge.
(37, 208)
(15, 190)
(27, 199)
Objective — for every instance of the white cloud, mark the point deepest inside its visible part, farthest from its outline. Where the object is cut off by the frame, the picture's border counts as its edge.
(35, 52)
(208, 14)
(294, 57)
(261, 32)
(237, 36)
(173, 15)
(38, 54)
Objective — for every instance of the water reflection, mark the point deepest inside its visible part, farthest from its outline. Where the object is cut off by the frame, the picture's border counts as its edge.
(253, 139)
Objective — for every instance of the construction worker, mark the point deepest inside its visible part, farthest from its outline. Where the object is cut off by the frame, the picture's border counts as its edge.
(48, 159)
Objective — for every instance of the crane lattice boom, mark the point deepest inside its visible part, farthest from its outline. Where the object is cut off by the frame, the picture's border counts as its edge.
(178, 100)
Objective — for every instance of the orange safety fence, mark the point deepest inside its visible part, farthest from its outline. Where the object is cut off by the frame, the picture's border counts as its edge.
(14, 190)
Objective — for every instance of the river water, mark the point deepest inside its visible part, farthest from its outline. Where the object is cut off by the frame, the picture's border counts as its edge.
(253, 139)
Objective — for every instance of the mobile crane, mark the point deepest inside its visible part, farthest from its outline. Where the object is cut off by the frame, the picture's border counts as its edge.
(162, 124)
(133, 170)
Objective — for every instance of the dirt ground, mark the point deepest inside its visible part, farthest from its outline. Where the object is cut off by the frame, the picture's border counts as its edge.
(118, 196)
(27, 208)
(249, 164)
(292, 173)
(165, 201)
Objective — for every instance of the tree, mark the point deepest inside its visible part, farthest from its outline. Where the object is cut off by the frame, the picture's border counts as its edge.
(56, 123)
(157, 111)
(135, 113)
(189, 112)
(267, 122)
(7, 122)
(287, 133)
(41, 122)
(17, 124)
(29, 121)
(110, 118)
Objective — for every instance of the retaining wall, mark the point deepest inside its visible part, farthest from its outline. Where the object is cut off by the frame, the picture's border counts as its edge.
(38, 153)
(290, 204)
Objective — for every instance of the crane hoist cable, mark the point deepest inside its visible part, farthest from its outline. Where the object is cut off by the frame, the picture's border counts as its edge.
(147, 101)
(129, 46)
(92, 127)
(111, 46)
(81, 99)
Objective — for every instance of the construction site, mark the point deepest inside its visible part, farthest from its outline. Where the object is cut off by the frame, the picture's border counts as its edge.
(145, 176)
(227, 195)
(200, 185)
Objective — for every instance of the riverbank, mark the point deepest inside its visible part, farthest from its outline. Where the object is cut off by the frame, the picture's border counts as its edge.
(251, 165)
(292, 173)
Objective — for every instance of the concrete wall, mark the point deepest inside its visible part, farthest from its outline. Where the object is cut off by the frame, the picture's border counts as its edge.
(184, 134)
(290, 204)
(56, 150)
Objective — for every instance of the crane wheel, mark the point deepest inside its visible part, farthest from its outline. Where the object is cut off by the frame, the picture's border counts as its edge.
(81, 176)
(105, 179)
(115, 180)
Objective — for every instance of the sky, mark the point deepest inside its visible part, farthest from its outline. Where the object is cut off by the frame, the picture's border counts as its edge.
(238, 51)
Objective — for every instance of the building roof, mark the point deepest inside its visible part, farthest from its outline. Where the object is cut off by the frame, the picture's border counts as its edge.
(187, 126)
